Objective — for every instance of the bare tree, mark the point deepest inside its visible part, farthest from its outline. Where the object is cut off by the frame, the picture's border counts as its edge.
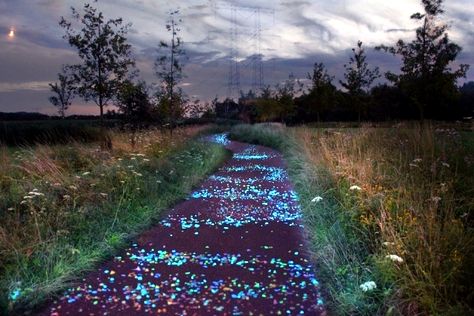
(169, 69)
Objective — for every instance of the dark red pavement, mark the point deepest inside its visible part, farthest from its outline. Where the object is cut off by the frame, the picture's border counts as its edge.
(234, 247)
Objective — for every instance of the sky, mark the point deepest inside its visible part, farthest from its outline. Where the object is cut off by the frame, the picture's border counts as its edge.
(290, 35)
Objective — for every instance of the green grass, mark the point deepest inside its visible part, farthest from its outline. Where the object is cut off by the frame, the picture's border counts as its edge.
(338, 254)
(90, 208)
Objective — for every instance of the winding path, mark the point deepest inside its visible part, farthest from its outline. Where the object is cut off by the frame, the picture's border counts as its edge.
(234, 247)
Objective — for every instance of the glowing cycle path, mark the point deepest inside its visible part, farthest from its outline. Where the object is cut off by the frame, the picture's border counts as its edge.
(234, 247)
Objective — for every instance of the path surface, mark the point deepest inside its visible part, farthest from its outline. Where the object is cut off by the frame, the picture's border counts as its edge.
(234, 247)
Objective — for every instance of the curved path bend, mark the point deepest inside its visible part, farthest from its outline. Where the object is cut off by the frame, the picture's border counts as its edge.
(234, 247)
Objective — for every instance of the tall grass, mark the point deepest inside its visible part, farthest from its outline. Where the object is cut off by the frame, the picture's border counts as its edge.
(395, 210)
(64, 208)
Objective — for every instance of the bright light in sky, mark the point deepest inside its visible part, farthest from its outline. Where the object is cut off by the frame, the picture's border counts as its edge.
(11, 34)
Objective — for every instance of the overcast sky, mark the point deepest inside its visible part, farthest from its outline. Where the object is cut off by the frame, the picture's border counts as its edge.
(294, 35)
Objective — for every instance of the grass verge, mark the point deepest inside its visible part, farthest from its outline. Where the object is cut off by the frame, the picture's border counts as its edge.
(393, 233)
(63, 209)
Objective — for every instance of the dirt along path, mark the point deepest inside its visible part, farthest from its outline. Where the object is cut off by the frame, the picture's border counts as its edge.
(234, 247)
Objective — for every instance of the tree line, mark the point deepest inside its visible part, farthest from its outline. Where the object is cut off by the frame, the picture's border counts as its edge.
(107, 72)
(426, 86)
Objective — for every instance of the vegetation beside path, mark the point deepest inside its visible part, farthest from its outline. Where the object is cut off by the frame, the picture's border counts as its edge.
(64, 208)
(388, 213)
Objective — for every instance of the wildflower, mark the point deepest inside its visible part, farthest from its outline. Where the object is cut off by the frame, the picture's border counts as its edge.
(120, 159)
(417, 160)
(66, 196)
(86, 173)
(122, 181)
(140, 155)
(23, 202)
(368, 286)
(317, 199)
(355, 188)
(394, 258)
(35, 193)
(146, 160)
(158, 181)
(435, 199)
(133, 158)
(387, 243)
(11, 209)
(445, 164)
(103, 194)
(413, 165)
(73, 187)
(57, 184)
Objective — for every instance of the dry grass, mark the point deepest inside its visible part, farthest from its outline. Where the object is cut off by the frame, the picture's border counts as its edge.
(414, 202)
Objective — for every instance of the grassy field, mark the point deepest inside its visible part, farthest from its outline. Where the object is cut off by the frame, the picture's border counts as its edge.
(64, 208)
(388, 212)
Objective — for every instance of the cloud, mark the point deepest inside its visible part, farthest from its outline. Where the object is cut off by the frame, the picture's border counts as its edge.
(294, 35)
(31, 85)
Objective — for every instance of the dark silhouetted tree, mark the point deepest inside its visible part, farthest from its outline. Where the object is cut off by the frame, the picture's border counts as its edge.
(285, 95)
(64, 92)
(169, 69)
(321, 94)
(358, 79)
(106, 56)
(134, 104)
(426, 75)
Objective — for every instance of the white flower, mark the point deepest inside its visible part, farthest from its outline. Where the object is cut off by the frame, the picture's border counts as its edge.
(11, 209)
(35, 193)
(146, 160)
(317, 199)
(445, 164)
(417, 160)
(368, 286)
(86, 173)
(435, 199)
(355, 188)
(66, 196)
(413, 165)
(103, 194)
(387, 243)
(394, 258)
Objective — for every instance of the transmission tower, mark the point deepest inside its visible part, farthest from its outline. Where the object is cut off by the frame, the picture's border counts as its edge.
(233, 81)
(239, 35)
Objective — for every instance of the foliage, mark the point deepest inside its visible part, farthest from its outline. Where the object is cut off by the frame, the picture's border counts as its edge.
(358, 78)
(64, 91)
(106, 56)
(321, 95)
(426, 76)
(285, 96)
(133, 102)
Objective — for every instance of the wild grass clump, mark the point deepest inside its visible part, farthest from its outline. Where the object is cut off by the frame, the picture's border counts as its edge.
(65, 208)
(388, 211)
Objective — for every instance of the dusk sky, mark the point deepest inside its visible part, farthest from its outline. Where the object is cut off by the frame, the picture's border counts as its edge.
(294, 35)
